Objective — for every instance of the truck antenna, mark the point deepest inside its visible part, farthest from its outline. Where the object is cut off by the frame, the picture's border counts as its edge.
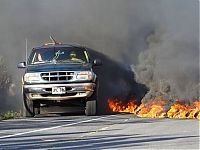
(53, 40)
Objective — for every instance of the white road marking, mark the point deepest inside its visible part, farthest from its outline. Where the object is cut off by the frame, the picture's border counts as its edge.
(104, 128)
(55, 127)
(101, 129)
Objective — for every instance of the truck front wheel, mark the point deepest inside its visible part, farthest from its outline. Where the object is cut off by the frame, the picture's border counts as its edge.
(31, 108)
(90, 109)
(91, 104)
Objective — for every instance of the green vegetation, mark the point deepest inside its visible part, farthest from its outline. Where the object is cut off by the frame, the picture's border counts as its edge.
(10, 115)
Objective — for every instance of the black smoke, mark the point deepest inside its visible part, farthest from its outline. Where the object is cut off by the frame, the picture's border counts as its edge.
(116, 80)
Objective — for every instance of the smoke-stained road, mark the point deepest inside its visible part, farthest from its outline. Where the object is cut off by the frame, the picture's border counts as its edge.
(99, 132)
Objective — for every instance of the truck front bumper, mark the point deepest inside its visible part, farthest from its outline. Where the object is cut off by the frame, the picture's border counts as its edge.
(44, 91)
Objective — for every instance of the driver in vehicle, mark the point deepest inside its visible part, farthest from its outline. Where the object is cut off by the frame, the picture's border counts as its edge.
(73, 57)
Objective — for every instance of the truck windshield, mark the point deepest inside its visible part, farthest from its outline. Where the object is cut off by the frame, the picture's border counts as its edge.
(58, 55)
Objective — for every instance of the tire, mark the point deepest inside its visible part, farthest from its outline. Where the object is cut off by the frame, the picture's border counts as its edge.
(91, 104)
(31, 108)
(36, 107)
(90, 109)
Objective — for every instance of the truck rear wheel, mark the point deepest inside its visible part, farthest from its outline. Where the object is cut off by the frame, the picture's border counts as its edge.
(90, 109)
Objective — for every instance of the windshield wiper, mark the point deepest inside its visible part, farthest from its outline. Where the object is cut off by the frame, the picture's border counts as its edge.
(71, 61)
(42, 62)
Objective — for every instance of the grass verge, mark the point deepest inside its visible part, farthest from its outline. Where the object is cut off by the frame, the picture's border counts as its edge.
(10, 115)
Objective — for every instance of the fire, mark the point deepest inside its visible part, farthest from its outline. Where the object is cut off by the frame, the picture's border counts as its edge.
(157, 108)
(181, 110)
(117, 106)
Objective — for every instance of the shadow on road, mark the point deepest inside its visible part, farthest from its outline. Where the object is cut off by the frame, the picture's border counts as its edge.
(100, 142)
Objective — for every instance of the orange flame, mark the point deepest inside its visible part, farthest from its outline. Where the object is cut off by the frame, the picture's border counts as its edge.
(181, 110)
(117, 106)
(157, 108)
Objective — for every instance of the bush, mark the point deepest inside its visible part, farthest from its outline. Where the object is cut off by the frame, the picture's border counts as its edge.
(10, 115)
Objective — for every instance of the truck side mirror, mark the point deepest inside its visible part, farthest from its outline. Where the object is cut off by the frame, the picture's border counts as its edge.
(97, 62)
(21, 65)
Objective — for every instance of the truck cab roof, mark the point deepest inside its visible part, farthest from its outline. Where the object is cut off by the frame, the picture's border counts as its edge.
(52, 45)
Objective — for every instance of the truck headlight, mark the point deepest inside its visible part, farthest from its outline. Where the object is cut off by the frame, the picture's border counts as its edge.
(29, 77)
(84, 75)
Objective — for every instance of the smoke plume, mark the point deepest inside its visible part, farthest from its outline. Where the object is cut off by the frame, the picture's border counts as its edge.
(163, 33)
(170, 64)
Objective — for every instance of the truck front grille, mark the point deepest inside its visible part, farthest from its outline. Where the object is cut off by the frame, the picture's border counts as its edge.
(57, 76)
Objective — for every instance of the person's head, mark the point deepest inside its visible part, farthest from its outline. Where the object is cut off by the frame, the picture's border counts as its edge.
(72, 54)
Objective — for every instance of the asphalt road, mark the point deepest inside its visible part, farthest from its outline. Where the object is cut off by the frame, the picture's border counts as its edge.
(122, 131)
